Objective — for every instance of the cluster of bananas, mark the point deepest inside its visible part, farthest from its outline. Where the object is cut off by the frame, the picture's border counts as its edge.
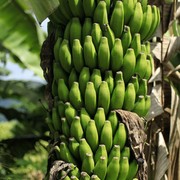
(102, 63)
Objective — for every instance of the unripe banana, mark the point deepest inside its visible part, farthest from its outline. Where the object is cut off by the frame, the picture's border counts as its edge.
(61, 108)
(75, 29)
(63, 91)
(114, 120)
(56, 48)
(84, 176)
(72, 77)
(75, 96)
(110, 80)
(84, 148)
(113, 169)
(76, 129)
(100, 13)
(90, 99)
(65, 9)
(99, 119)
(115, 152)
(120, 136)
(108, 4)
(148, 47)
(96, 78)
(65, 56)
(106, 135)
(125, 152)
(50, 124)
(77, 55)
(129, 98)
(66, 178)
(129, 63)
(96, 34)
(136, 44)
(117, 19)
(86, 28)
(56, 149)
(116, 55)
(90, 55)
(74, 171)
(124, 168)
(151, 61)
(63, 174)
(74, 178)
(143, 49)
(55, 119)
(89, 7)
(147, 104)
(140, 68)
(103, 54)
(74, 147)
(126, 38)
(118, 77)
(117, 98)
(95, 177)
(69, 112)
(136, 19)
(67, 31)
(88, 163)
(103, 97)
(100, 167)
(142, 88)
(101, 152)
(83, 79)
(61, 138)
(133, 168)
(65, 127)
(65, 154)
(84, 117)
(92, 135)
(54, 88)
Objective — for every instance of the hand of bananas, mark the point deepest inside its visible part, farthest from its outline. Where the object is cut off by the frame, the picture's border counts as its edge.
(102, 62)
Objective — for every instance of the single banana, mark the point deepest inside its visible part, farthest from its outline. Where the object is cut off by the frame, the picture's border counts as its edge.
(108, 4)
(90, 54)
(106, 137)
(76, 130)
(114, 120)
(136, 19)
(67, 31)
(100, 167)
(103, 54)
(124, 168)
(61, 138)
(55, 119)
(61, 108)
(115, 152)
(84, 117)
(63, 91)
(125, 152)
(65, 9)
(110, 80)
(74, 178)
(103, 97)
(65, 127)
(90, 99)
(117, 19)
(56, 48)
(136, 44)
(65, 56)
(77, 55)
(150, 58)
(48, 120)
(144, 4)
(116, 55)
(75, 96)
(89, 7)
(96, 78)
(84, 176)
(72, 77)
(148, 47)
(148, 70)
(118, 76)
(95, 177)
(142, 88)
(143, 49)
(99, 119)
(134, 80)
(147, 104)
(117, 98)
(88, 163)
(86, 28)
(101, 152)
(74, 147)
(133, 168)
(129, 63)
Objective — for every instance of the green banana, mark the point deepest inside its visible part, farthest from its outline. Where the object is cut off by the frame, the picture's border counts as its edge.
(100, 167)
(65, 56)
(117, 97)
(65, 127)
(84, 77)
(110, 80)
(56, 149)
(103, 97)
(133, 168)
(129, 98)
(108, 4)
(74, 178)
(114, 120)
(118, 76)
(90, 54)
(116, 55)
(100, 14)
(76, 130)
(84, 176)
(124, 168)
(84, 148)
(75, 96)
(148, 47)
(95, 177)
(61, 108)
(90, 99)
(143, 49)
(147, 21)
(101, 152)
(148, 70)
(75, 29)
(84, 117)
(126, 38)
(129, 63)
(65, 9)
(48, 120)
(55, 119)
(147, 104)
(136, 44)
(63, 91)
(99, 119)
(115, 152)
(96, 34)
(89, 7)
(54, 88)
(88, 163)
(117, 19)
(61, 138)
(120, 136)
(74, 147)
(106, 137)
(72, 77)
(113, 169)
(103, 54)
(86, 28)
(66, 178)
(56, 48)
(125, 152)
(96, 78)
(144, 4)
(74, 171)
(134, 80)
(77, 55)
(67, 31)
(136, 19)
(142, 88)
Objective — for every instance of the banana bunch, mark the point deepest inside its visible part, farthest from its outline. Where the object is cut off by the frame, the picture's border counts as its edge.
(102, 62)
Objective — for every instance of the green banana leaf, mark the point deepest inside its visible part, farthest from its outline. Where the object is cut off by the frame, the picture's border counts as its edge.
(20, 33)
